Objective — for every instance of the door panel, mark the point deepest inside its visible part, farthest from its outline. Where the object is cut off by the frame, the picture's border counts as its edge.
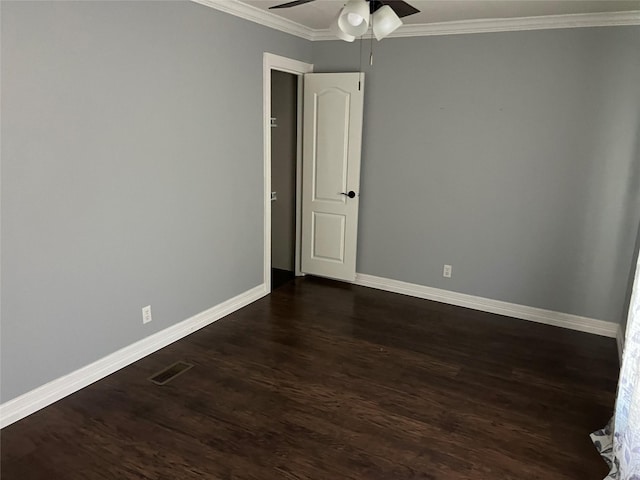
(328, 237)
(330, 158)
(333, 104)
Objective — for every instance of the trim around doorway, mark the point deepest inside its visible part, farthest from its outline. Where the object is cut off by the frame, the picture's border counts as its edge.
(283, 64)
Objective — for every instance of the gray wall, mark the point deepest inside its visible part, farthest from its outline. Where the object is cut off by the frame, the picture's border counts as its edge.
(284, 99)
(512, 156)
(131, 174)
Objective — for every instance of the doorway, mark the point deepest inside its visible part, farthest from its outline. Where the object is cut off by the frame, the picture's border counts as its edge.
(284, 146)
(278, 230)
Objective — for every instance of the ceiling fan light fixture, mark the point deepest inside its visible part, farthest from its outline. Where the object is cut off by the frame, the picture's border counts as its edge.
(385, 21)
(339, 33)
(354, 18)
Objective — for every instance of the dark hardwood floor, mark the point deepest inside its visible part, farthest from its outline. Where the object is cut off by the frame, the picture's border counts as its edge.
(323, 380)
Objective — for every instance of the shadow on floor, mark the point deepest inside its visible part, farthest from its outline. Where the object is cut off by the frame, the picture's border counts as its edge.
(280, 277)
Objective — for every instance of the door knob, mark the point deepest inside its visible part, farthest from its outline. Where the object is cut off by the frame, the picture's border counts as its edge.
(351, 194)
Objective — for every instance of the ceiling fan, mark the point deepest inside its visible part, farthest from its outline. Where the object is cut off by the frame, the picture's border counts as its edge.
(353, 20)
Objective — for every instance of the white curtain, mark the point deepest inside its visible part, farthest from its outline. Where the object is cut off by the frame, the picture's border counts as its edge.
(619, 441)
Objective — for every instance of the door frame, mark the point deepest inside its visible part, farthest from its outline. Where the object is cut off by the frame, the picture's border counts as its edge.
(283, 64)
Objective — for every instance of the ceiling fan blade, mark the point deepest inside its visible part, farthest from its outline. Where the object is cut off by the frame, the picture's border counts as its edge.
(295, 3)
(402, 9)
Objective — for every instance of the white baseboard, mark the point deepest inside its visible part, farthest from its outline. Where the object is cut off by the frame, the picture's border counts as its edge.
(51, 392)
(539, 315)
(620, 343)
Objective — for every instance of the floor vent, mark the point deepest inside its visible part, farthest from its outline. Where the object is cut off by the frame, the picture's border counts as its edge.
(172, 371)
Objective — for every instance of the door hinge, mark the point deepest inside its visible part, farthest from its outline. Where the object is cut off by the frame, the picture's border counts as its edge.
(359, 83)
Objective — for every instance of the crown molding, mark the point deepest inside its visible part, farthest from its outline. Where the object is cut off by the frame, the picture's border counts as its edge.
(490, 25)
(548, 22)
(261, 17)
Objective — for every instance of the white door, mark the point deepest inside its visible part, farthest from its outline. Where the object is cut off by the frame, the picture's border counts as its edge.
(332, 141)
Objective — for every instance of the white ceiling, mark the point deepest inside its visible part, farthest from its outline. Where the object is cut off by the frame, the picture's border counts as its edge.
(318, 15)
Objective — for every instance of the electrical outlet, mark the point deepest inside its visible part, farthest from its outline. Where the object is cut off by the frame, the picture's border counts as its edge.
(446, 271)
(146, 314)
